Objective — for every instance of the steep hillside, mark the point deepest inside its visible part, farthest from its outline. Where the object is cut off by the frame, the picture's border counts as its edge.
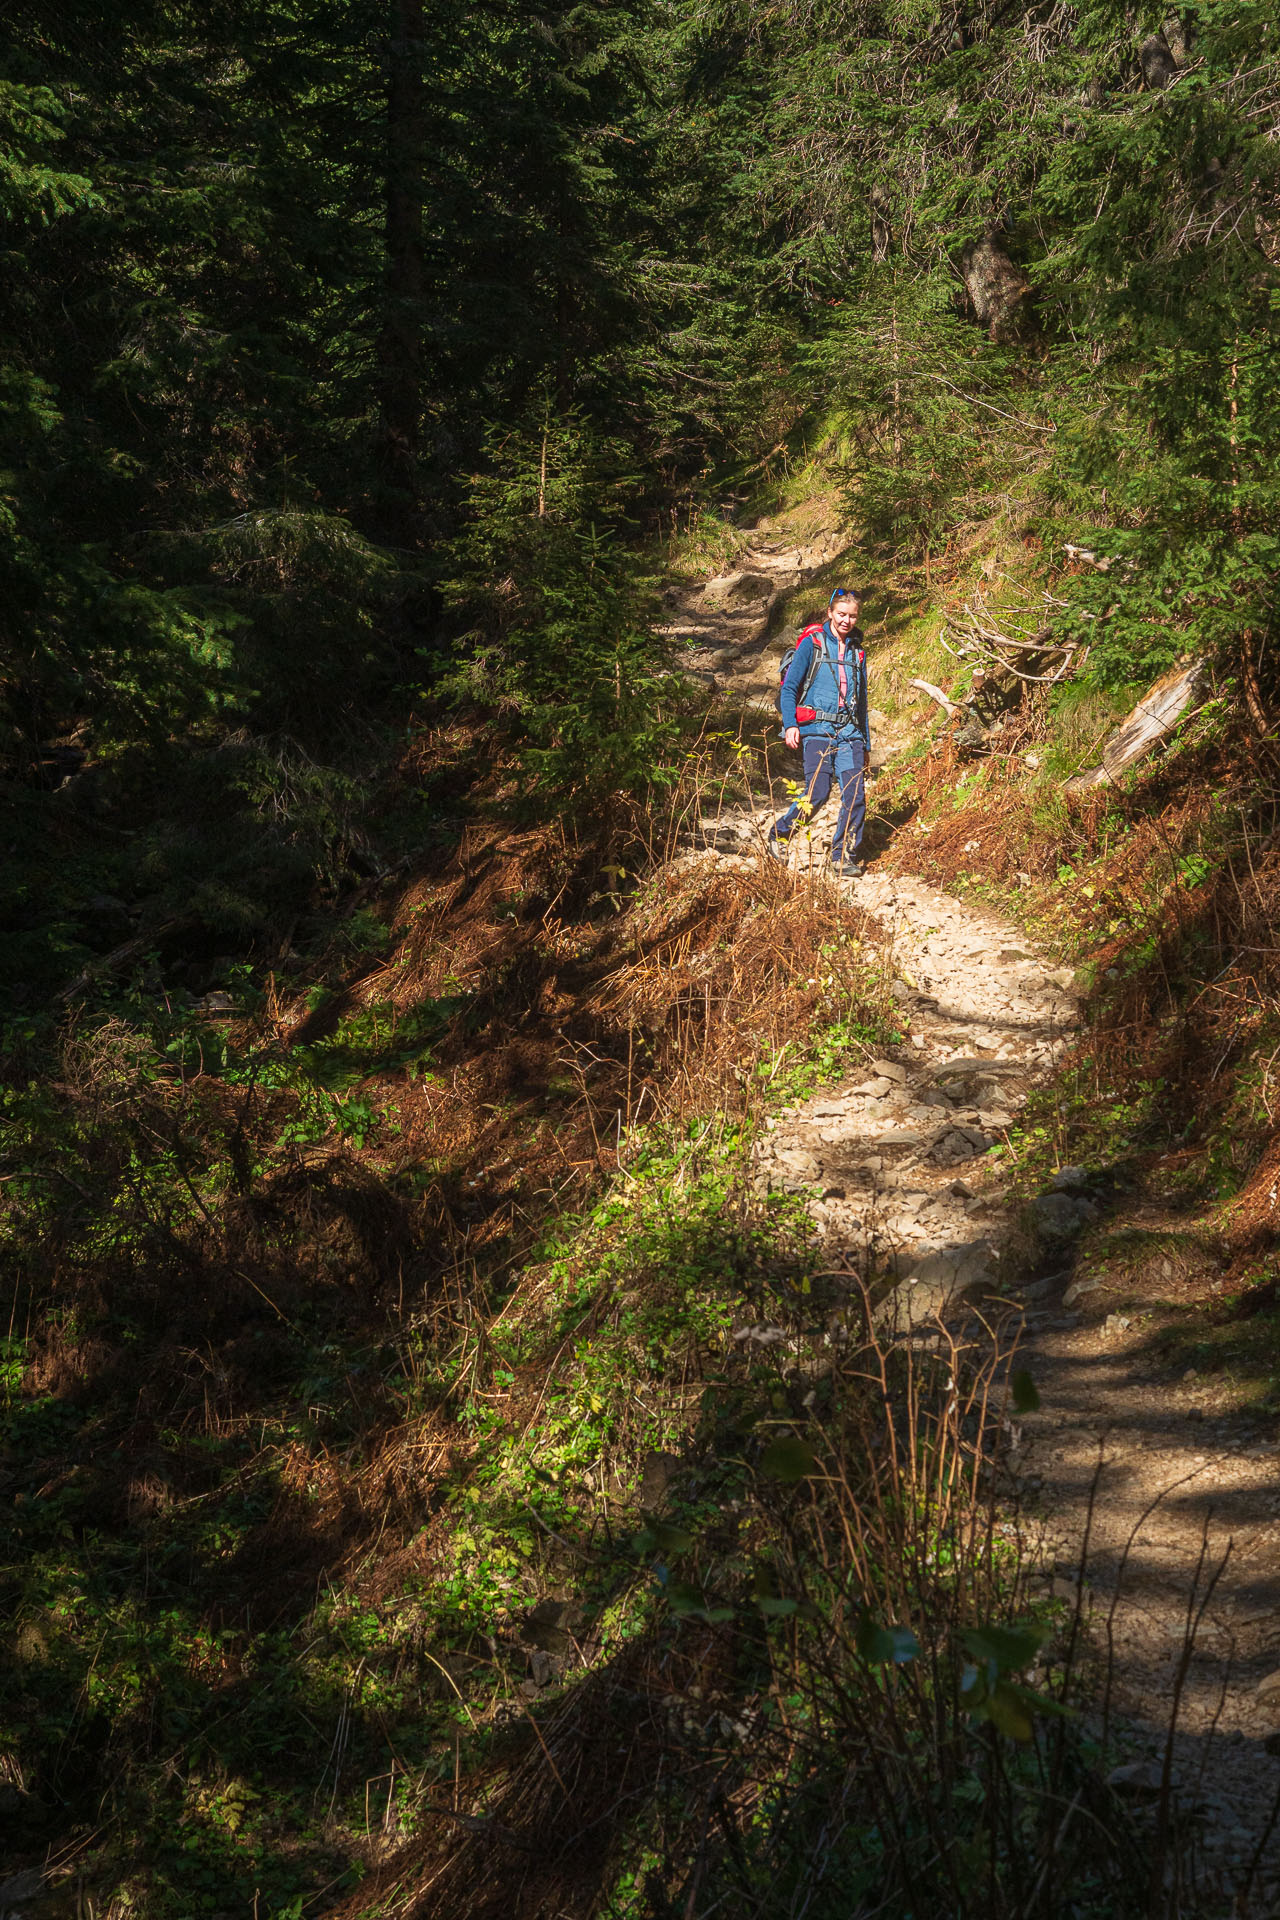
(1119, 1212)
(483, 1420)
(356, 1326)
(556, 1367)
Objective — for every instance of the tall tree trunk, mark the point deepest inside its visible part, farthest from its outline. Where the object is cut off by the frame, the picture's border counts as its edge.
(400, 341)
(897, 381)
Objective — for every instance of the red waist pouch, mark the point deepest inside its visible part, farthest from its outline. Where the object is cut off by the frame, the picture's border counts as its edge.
(804, 715)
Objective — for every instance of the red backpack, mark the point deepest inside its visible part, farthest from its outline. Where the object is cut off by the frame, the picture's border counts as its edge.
(812, 632)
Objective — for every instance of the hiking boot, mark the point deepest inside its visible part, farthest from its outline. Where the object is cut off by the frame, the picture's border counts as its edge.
(848, 867)
(778, 844)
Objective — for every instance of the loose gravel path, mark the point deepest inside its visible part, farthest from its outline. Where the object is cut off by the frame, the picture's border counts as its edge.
(894, 1164)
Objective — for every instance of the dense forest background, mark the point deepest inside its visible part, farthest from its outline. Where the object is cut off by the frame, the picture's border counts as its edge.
(334, 335)
(362, 368)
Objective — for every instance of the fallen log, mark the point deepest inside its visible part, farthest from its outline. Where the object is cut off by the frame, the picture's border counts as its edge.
(121, 956)
(1152, 720)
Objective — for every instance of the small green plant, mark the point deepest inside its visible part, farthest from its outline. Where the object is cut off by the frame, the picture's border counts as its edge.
(562, 647)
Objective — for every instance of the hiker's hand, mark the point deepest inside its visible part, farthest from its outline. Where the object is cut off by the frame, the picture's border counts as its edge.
(792, 737)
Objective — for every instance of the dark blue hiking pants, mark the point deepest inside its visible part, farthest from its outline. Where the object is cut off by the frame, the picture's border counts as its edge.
(824, 757)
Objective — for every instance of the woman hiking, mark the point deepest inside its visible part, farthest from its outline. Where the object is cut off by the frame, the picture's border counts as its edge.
(830, 671)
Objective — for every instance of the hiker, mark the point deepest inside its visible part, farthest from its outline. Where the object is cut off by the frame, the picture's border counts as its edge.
(828, 674)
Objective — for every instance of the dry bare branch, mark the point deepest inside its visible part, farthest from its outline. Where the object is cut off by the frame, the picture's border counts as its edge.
(936, 693)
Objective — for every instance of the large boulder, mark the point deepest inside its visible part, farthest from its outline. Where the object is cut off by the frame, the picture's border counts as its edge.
(936, 1283)
(1060, 1216)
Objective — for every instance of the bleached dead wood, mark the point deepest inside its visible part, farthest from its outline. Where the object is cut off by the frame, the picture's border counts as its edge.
(936, 693)
(1154, 717)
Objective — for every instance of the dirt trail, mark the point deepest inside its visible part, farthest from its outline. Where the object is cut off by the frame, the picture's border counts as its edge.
(1117, 1453)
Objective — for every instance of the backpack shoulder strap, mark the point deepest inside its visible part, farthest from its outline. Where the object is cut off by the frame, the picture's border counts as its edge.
(815, 637)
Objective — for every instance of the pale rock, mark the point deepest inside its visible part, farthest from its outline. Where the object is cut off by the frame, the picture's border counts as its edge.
(761, 1335)
(1155, 57)
(940, 1280)
(796, 1160)
(737, 590)
(1136, 1777)
(964, 1267)
(1078, 1289)
(215, 1005)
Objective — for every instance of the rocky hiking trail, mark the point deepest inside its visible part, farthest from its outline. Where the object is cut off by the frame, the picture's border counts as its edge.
(1146, 1512)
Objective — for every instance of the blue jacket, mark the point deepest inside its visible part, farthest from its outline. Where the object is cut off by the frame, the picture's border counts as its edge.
(824, 691)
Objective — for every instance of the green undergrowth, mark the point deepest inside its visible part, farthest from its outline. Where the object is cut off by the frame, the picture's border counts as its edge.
(285, 1479)
(686, 1494)
(137, 1648)
(290, 1563)
(197, 853)
(613, 1328)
